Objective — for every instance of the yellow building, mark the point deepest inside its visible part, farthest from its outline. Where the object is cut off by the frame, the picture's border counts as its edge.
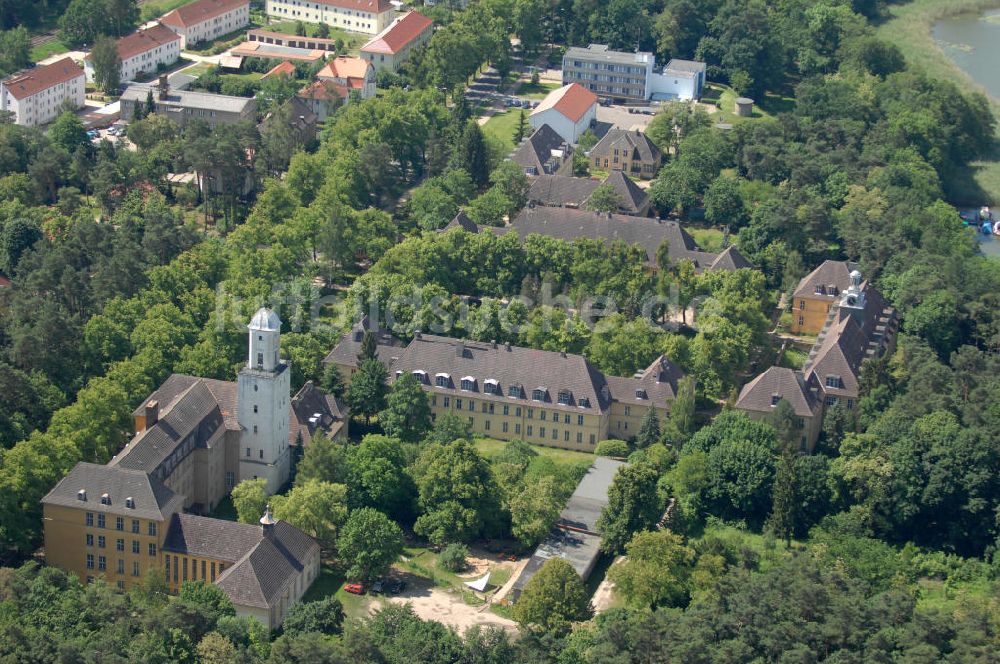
(367, 16)
(816, 295)
(508, 392)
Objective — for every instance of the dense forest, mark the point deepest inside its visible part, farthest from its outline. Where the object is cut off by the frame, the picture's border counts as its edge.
(120, 278)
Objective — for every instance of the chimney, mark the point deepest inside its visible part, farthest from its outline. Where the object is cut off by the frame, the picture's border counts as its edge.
(460, 349)
(493, 343)
(267, 523)
(562, 353)
(418, 335)
(152, 412)
(163, 87)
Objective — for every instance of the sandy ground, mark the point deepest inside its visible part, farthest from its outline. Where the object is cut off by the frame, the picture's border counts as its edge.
(604, 594)
(447, 606)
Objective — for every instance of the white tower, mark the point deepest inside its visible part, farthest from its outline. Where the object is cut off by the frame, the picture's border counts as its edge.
(263, 394)
(853, 299)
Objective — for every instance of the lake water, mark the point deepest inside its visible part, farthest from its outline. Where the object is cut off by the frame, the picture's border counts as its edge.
(972, 41)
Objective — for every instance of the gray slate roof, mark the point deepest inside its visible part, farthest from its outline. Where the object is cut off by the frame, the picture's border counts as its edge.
(829, 273)
(758, 395)
(345, 353)
(591, 496)
(730, 259)
(462, 221)
(309, 402)
(535, 151)
(561, 190)
(211, 538)
(634, 198)
(191, 99)
(633, 143)
(685, 66)
(152, 499)
(223, 391)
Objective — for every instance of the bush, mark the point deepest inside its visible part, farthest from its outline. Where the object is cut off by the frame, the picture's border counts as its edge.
(453, 558)
(612, 448)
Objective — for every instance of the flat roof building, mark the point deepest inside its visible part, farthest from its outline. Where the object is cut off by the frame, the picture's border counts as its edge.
(181, 106)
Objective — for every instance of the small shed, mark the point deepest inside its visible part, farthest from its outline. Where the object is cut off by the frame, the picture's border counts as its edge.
(744, 107)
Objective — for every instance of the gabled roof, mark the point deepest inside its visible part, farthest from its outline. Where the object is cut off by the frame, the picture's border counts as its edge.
(323, 90)
(462, 221)
(400, 32)
(730, 259)
(572, 101)
(561, 190)
(284, 68)
(200, 11)
(344, 68)
(345, 353)
(205, 537)
(759, 394)
(655, 385)
(840, 354)
(633, 143)
(141, 41)
(534, 152)
(223, 391)
(43, 77)
(152, 499)
(633, 197)
(829, 273)
(314, 410)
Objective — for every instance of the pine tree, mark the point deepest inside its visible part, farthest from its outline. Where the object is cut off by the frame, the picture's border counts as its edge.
(369, 347)
(682, 410)
(150, 104)
(368, 389)
(332, 381)
(649, 430)
(522, 127)
(784, 505)
(471, 155)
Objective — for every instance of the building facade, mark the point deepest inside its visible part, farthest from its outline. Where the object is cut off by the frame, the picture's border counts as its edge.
(39, 95)
(144, 52)
(628, 151)
(542, 397)
(292, 41)
(816, 295)
(612, 74)
(366, 16)
(392, 47)
(207, 20)
(355, 74)
(570, 111)
(681, 80)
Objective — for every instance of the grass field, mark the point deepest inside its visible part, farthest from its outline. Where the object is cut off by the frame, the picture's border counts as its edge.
(151, 10)
(724, 97)
(503, 125)
(539, 91)
(910, 30)
(491, 447)
(45, 50)
(709, 239)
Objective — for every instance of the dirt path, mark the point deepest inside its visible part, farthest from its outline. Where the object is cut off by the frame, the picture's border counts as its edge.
(447, 606)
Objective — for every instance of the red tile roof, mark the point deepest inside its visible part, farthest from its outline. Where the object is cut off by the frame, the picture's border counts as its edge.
(375, 6)
(344, 67)
(571, 100)
(141, 41)
(285, 68)
(200, 11)
(401, 32)
(40, 78)
(324, 90)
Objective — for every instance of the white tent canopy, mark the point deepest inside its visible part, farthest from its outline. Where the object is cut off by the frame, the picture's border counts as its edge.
(479, 585)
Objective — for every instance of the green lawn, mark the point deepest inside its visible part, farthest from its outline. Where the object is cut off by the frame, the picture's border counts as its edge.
(422, 562)
(45, 50)
(724, 98)
(152, 10)
(910, 30)
(793, 358)
(504, 124)
(709, 239)
(491, 448)
(331, 582)
(539, 91)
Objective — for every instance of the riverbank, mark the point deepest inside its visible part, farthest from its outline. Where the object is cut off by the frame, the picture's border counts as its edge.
(910, 29)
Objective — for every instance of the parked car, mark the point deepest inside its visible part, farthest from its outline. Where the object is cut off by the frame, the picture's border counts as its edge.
(377, 586)
(93, 133)
(397, 586)
(354, 588)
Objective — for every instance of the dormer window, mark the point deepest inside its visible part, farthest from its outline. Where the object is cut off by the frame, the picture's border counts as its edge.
(565, 396)
(820, 289)
(640, 394)
(81, 495)
(130, 503)
(516, 392)
(105, 499)
(775, 398)
(491, 386)
(583, 402)
(420, 375)
(468, 384)
(834, 382)
(442, 380)
(539, 394)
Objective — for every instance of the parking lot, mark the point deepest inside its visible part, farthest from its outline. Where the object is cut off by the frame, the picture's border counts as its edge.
(619, 117)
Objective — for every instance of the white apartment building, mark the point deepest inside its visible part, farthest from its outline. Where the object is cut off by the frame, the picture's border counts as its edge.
(144, 51)
(206, 20)
(38, 95)
(366, 16)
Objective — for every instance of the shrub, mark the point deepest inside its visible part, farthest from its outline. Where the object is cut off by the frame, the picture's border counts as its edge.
(453, 557)
(612, 448)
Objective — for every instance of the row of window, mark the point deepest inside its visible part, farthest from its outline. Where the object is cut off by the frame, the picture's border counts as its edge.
(625, 69)
(492, 386)
(179, 569)
(490, 408)
(120, 544)
(102, 566)
(119, 523)
(530, 431)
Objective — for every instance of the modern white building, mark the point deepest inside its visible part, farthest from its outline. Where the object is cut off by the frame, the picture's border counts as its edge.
(206, 20)
(39, 95)
(392, 47)
(143, 52)
(681, 80)
(263, 389)
(570, 111)
(626, 76)
(367, 16)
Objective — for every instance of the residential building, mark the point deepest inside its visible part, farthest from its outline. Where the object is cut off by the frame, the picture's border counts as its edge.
(616, 75)
(207, 20)
(681, 80)
(345, 354)
(184, 105)
(313, 410)
(816, 295)
(143, 52)
(39, 95)
(860, 326)
(392, 47)
(544, 152)
(625, 76)
(570, 192)
(284, 68)
(569, 110)
(292, 41)
(259, 49)
(323, 97)
(542, 397)
(352, 73)
(120, 524)
(302, 121)
(366, 16)
(629, 151)
(575, 536)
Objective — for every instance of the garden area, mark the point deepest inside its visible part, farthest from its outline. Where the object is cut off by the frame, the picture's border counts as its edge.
(502, 126)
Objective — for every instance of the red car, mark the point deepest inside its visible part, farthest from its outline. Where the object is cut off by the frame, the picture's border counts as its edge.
(355, 588)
